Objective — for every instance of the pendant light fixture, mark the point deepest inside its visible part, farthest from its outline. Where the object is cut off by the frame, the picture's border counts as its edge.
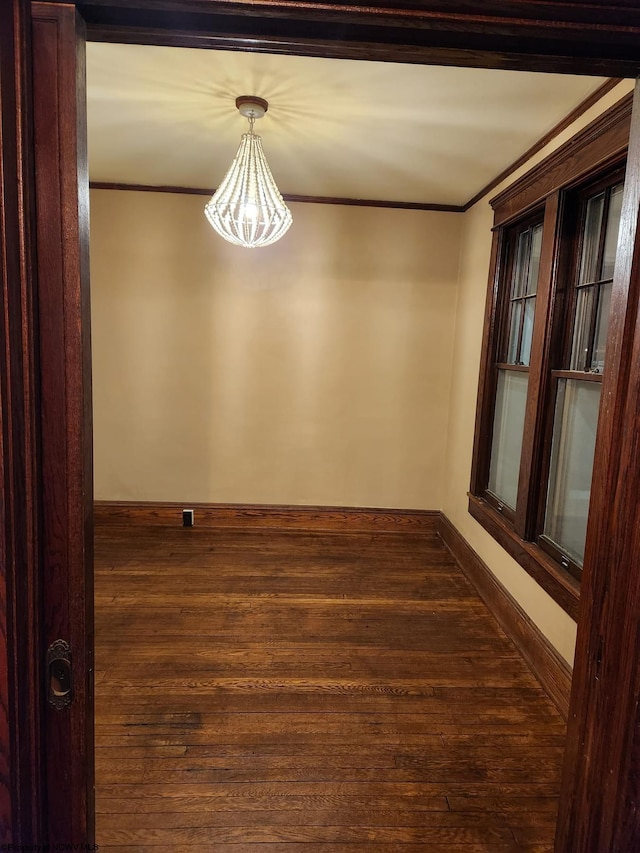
(247, 208)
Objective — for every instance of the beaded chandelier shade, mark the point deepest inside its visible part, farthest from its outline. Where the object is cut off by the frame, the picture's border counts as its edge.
(247, 208)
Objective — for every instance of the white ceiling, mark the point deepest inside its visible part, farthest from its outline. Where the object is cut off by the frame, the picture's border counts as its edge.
(341, 128)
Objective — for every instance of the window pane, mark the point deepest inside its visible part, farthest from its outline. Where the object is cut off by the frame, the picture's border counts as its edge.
(514, 331)
(613, 226)
(602, 326)
(508, 425)
(582, 328)
(534, 263)
(527, 329)
(591, 243)
(574, 434)
(521, 268)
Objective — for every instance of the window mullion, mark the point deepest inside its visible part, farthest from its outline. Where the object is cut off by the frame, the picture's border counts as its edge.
(596, 285)
(603, 233)
(523, 300)
(592, 326)
(525, 516)
(518, 357)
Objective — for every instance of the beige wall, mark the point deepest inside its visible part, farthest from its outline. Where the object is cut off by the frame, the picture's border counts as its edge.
(314, 371)
(472, 289)
(339, 366)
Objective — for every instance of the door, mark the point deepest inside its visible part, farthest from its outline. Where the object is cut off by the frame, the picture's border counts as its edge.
(21, 780)
(46, 598)
(62, 238)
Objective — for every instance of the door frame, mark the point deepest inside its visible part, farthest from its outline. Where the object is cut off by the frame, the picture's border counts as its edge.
(46, 421)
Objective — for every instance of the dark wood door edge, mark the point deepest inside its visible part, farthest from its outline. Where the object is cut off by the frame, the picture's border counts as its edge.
(62, 233)
(279, 517)
(547, 665)
(22, 778)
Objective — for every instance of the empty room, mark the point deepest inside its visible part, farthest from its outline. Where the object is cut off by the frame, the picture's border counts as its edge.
(320, 400)
(341, 493)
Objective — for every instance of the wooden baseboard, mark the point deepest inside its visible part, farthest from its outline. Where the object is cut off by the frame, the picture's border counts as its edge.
(343, 519)
(550, 668)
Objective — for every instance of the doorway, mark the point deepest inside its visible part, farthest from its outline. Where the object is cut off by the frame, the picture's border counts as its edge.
(77, 404)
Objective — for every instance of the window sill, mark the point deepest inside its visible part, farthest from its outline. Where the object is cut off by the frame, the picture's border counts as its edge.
(560, 585)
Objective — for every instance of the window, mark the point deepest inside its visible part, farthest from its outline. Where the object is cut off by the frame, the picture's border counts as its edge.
(543, 357)
(513, 365)
(575, 385)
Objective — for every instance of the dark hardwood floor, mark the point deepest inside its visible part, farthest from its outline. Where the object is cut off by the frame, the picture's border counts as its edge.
(283, 692)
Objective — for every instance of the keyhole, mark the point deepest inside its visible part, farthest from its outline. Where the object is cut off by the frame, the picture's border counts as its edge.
(60, 677)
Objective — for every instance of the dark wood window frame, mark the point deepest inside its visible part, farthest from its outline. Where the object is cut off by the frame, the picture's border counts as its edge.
(509, 240)
(566, 298)
(597, 149)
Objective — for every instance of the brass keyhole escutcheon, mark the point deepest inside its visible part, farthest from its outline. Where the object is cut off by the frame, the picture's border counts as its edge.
(59, 674)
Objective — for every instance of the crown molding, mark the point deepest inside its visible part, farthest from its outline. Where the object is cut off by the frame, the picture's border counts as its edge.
(306, 199)
(601, 143)
(555, 131)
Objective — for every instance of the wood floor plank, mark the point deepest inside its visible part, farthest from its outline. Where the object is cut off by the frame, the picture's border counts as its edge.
(435, 768)
(309, 834)
(313, 796)
(349, 818)
(266, 691)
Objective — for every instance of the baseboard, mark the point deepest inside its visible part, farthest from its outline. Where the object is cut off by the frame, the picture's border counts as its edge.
(320, 518)
(550, 668)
